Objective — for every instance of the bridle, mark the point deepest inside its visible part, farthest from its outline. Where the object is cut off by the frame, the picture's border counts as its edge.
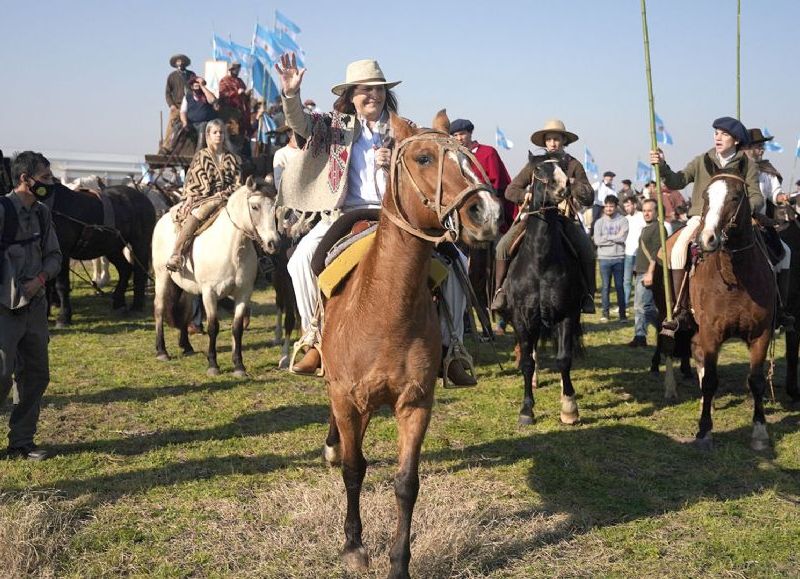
(731, 224)
(254, 236)
(446, 214)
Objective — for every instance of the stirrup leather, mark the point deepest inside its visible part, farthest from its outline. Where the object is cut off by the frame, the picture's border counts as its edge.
(312, 338)
(457, 352)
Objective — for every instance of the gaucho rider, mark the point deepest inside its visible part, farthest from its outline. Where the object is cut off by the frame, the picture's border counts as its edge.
(727, 156)
(343, 168)
(553, 137)
(214, 174)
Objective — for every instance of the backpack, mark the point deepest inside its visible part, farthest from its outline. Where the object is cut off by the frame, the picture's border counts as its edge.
(8, 236)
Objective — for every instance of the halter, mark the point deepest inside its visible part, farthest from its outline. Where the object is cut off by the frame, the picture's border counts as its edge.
(254, 236)
(447, 215)
(732, 221)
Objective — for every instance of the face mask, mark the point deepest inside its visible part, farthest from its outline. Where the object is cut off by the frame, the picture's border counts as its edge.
(41, 190)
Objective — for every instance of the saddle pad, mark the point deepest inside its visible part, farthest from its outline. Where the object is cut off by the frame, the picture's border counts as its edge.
(670, 243)
(338, 270)
(108, 211)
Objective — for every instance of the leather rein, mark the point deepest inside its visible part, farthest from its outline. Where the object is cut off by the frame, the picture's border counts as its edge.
(446, 214)
(254, 236)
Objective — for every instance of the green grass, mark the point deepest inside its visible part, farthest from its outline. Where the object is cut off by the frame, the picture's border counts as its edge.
(161, 471)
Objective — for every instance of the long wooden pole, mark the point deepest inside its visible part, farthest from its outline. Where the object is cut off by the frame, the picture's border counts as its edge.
(653, 146)
(738, 59)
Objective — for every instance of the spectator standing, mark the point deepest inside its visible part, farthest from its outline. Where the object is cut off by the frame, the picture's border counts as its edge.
(602, 189)
(626, 190)
(234, 99)
(284, 155)
(609, 235)
(177, 87)
(644, 307)
(635, 225)
(198, 107)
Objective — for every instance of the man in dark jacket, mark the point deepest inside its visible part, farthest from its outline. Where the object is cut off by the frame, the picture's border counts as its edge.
(553, 137)
(177, 86)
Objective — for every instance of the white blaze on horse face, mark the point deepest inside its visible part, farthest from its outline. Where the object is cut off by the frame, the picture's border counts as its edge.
(490, 207)
(717, 192)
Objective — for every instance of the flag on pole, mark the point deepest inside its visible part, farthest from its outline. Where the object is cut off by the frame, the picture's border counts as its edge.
(283, 23)
(501, 140)
(797, 150)
(244, 56)
(773, 146)
(222, 49)
(263, 85)
(260, 54)
(589, 163)
(662, 136)
(262, 38)
(644, 172)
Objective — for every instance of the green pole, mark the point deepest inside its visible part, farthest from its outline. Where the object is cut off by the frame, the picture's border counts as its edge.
(653, 147)
(738, 59)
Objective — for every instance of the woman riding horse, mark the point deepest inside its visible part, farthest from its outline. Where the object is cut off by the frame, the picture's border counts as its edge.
(214, 174)
(343, 168)
(727, 155)
(553, 137)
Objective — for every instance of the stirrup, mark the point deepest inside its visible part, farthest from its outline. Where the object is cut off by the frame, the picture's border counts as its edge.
(499, 301)
(457, 351)
(174, 268)
(309, 340)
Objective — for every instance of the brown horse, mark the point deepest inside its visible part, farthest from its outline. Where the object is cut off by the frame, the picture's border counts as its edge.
(733, 296)
(381, 342)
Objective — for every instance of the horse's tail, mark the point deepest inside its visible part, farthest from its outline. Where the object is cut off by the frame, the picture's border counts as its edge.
(548, 338)
(177, 305)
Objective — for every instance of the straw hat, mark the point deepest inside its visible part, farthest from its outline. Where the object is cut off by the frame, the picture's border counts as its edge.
(366, 72)
(173, 61)
(553, 126)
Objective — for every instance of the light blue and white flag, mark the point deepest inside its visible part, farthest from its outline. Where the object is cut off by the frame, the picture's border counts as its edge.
(501, 141)
(244, 56)
(662, 136)
(222, 49)
(283, 23)
(260, 54)
(797, 150)
(263, 85)
(262, 38)
(773, 146)
(589, 163)
(644, 172)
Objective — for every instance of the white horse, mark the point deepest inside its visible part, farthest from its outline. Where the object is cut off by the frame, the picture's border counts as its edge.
(222, 263)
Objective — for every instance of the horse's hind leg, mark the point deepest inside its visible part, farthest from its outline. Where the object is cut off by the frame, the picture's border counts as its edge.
(238, 332)
(707, 375)
(412, 424)
(124, 270)
(159, 303)
(210, 304)
(141, 265)
(569, 407)
(351, 426)
(758, 385)
(792, 348)
(527, 342)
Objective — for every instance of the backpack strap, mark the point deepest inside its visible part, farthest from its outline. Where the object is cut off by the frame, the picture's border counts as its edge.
(11, 226)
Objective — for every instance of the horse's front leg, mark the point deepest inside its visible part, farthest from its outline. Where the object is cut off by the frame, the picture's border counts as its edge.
(566, 338)
(706, 358)
(758, 385)
(527, 342)
(351, 426)
(412, 424)
(212, 323)
(158, 314)
(124, 270)
(238, 331)
(332, 452)
(792, 348)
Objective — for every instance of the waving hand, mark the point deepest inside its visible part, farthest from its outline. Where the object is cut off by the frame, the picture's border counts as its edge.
(291, 76)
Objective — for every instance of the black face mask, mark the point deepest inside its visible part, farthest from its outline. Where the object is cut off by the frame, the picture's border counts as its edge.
(41, 190)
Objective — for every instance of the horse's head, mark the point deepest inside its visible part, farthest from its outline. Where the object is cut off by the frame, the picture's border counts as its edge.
(434, 187)
(254, 203)
(549, 184)
(726, 209)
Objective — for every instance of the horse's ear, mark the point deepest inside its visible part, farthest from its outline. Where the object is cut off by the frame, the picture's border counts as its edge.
(401, 128)
(250, 183)
(531, 157)
(441, 122)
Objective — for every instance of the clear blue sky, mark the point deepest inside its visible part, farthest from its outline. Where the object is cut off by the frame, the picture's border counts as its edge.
(88, 75)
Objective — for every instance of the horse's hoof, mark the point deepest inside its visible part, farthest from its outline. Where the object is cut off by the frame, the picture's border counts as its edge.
(525, 420)
(356, 560)
(163, 357)
(189, 352)
(61, 325)
(332, 455)
(569, 410)
(283, 363)
(706, 444)
(760, 439)
(212, 372)
(240, 373)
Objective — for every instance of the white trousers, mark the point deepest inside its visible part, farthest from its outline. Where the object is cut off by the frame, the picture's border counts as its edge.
(678, 257)
(306, 292)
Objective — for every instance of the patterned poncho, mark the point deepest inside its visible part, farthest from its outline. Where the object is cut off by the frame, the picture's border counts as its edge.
(208, 177)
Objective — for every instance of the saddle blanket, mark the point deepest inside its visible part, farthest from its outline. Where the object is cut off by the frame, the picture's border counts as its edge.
(333, 275)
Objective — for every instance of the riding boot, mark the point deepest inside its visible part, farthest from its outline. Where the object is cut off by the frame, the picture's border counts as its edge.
(183, 243)
(310, 363)
(681, 299)
(785, 319)
(501, 268)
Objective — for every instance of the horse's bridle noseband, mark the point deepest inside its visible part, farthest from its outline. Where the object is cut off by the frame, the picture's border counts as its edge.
(447, 215)
(731, 224)
(254, 236)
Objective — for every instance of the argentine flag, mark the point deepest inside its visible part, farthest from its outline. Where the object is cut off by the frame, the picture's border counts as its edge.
(501, 141)
(287, 25)
(773, 146)
(662, 136)
(644, 172)
(589, 163)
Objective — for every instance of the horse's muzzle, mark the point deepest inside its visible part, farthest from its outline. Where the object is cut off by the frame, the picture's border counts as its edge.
(709, 241)
(480, 217)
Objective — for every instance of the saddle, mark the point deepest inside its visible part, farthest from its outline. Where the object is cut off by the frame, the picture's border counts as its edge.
(175, 213)
(346, 243)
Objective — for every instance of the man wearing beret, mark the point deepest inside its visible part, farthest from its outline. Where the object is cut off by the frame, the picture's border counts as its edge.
(730, 137)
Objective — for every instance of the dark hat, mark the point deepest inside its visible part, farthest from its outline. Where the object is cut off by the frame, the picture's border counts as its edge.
(757, 137)
(174, 58)
(734, 128)
(234, 64)
(626, 181)
(609, 174)
(459, 125)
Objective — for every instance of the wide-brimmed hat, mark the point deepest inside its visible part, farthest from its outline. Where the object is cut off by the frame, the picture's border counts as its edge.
(757, 137)
(233, 64)
(553, 126)
(174, 58)
(366, 72)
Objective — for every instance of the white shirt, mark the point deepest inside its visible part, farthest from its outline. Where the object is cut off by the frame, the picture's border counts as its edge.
(283, 157)
(365, 185)
(635, 225)
(601, 191)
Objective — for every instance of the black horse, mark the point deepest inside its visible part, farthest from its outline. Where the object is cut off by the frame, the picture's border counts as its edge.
(79, 223)
(543, 286)
(790, 234)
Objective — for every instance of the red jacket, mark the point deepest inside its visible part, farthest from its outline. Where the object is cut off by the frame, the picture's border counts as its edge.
(498, 176)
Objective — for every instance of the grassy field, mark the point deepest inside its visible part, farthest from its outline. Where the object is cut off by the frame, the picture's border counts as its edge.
(161, 471)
